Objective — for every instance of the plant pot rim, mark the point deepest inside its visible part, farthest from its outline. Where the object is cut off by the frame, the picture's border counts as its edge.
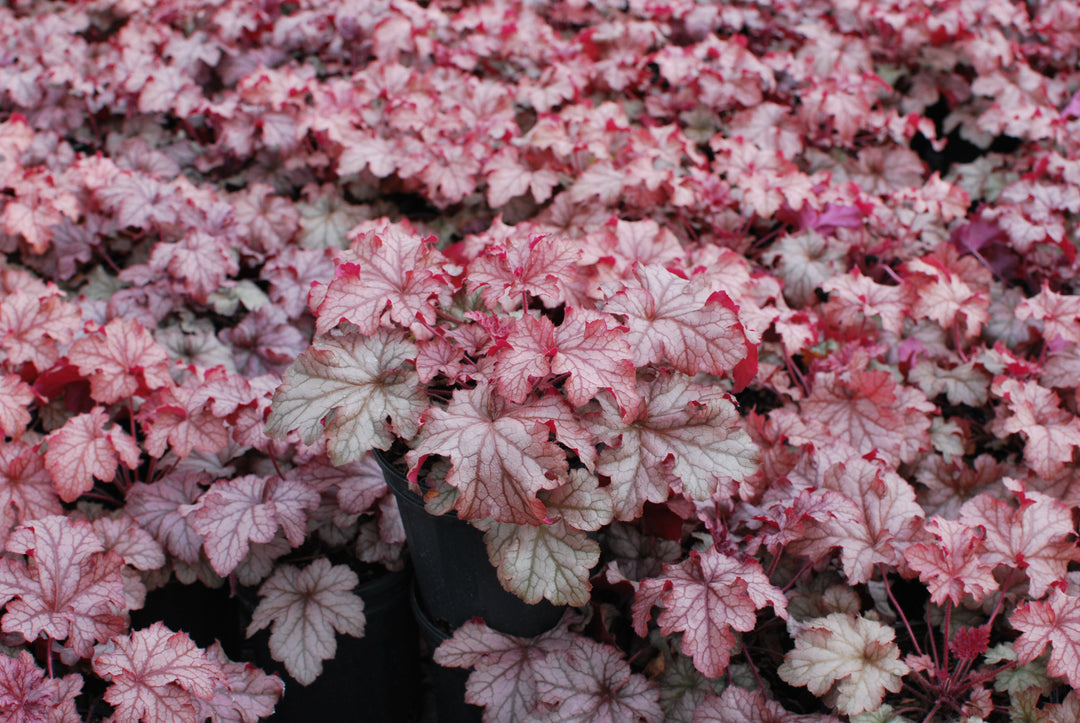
(399, 485)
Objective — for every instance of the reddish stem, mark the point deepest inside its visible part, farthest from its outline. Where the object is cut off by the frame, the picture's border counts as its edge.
(273, 461)
(775, 563)
(980, 679)
(753, 669)
(48, 654)
(1001, 598)
(933, 642)
(957, 341)
(947, 636)
(794, 373)
(803, 569)
(102, 496)
(899, 610)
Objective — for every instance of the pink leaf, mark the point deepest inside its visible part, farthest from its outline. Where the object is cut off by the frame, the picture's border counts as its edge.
(539, 266)
(139, 200)
(954, 565)
(869, 410)
(1050, 622)
(943, 295)
(360, 485)
(236, 512)
(1034, 411)
(886, 518)
(34, 324)
(853, 295)
(70, 589)
(501, 456)
(15, 396)
(156, 675)
(593, 354)
(121, 360)
(505, 679)
(1037, 538)
(199, 261)
(246, 695)
(739, 705)
(685, 324)
(388, 269)
(590, 682)
(705, 597)
(157, 508)
(82, 451)
(25, 484)
(509, 177)
(136, 546)
(355, 383)
(26, 695)
(182, 419)
(683, 434)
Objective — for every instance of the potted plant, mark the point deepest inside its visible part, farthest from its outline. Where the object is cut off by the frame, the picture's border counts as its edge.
(748, 331)
(128, 462)
(530, 397)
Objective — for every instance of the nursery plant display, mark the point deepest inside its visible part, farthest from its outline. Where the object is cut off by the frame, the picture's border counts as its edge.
(746, 332)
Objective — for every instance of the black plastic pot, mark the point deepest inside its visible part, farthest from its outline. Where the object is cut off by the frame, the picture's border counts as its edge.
(454, 576)
(447, 685)
(204, 613)
(373, 678)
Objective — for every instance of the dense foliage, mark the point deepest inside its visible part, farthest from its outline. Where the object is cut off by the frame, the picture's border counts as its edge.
(751, 330)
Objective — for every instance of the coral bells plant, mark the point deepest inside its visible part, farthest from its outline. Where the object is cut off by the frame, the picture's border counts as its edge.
(748, 330)
(533, 377)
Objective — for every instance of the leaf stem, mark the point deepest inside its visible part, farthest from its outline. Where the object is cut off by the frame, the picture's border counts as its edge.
(946, 635)
(48, 654)
(753, 669)
(899, 610)
(793, 580)
(794, 373)
(775, 562)
(273, 461)
(991, 673)
(1001, 598)
(96, 494)
(933, 641)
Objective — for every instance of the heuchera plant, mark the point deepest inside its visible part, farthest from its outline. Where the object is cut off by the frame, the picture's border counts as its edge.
(533, 378)
(749, 330)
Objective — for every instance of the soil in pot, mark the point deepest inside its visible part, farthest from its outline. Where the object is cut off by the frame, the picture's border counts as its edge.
(455, 579)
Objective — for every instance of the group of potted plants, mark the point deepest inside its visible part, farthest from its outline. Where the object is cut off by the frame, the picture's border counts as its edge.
(569, 361)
